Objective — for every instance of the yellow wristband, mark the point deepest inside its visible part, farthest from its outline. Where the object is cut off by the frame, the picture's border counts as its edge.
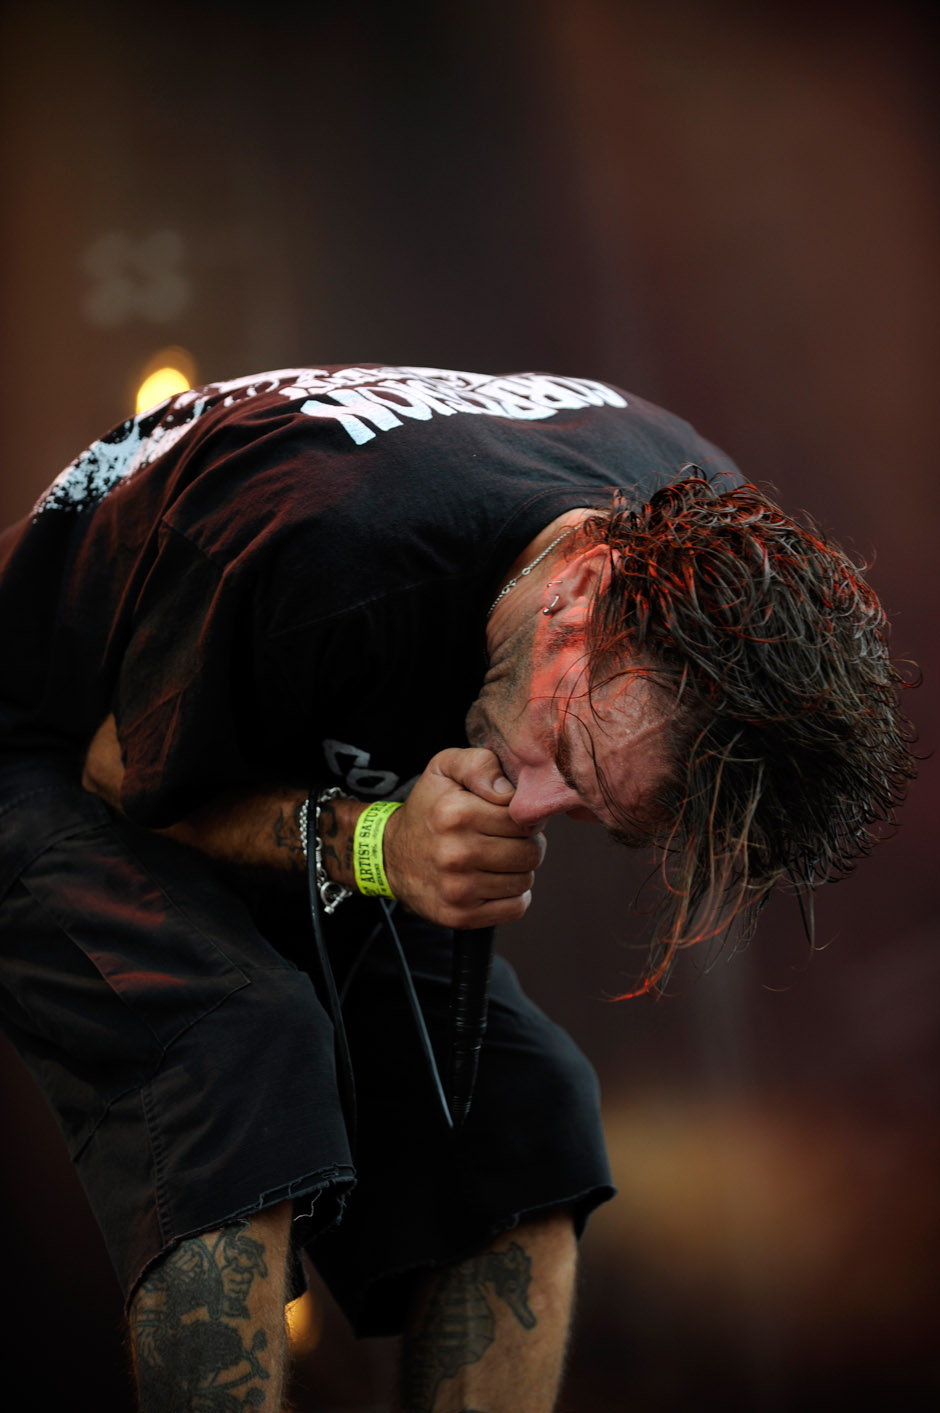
(368, 856)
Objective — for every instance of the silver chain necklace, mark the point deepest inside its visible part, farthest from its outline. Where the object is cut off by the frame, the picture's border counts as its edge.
(528, 569)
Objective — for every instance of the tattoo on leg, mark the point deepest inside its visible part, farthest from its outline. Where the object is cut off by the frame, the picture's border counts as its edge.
(459, 1323)
(187, 1353)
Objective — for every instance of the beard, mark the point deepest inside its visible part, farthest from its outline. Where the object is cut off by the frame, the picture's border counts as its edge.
(506, 688)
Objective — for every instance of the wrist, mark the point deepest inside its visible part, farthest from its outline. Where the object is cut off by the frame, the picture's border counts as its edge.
(333, 817)
(338, 821)
(369, 851)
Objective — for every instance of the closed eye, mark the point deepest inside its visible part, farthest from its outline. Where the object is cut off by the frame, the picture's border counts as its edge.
(562, 757)
(638, 838)
(630, 841)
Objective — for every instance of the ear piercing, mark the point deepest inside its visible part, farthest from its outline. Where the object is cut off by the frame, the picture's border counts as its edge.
(552, 604)
(529, 567)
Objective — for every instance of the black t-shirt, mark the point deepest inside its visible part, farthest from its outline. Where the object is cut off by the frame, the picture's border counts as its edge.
(285, 578)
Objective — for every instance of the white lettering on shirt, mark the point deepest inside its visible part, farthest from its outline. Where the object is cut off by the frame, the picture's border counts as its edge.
(361, 401)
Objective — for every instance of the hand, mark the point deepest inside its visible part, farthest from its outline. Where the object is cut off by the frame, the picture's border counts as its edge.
(104, 768)
(452, 853)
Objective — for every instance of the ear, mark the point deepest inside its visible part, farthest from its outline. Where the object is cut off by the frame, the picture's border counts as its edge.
(572, 591)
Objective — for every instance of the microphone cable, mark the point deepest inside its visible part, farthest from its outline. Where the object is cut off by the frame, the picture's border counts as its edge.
(470, 978)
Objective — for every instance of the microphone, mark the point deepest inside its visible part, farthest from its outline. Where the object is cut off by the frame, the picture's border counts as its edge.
(470, 981)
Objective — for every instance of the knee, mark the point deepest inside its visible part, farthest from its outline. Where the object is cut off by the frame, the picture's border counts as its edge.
(219, 1273)
(212, 1305)
(547, 1247)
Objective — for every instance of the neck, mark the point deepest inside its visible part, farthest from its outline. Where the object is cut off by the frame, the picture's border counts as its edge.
(521, 589)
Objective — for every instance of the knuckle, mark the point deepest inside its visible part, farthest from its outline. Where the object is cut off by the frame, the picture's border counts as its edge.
(453, 889)
(449, 812)
(479, 757)
(439, 819)
(451, 855)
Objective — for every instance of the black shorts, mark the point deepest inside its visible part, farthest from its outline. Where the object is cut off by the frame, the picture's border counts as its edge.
(170, 1022)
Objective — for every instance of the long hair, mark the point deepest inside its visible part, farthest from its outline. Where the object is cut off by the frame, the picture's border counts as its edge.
(790, 750)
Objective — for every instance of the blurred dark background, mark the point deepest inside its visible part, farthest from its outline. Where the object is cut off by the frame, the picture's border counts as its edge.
(730, 209)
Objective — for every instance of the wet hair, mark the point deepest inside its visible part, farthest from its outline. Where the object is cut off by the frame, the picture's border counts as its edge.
(790, 751)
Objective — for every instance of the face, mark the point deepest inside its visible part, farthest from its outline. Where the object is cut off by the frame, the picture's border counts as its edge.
(556, 745)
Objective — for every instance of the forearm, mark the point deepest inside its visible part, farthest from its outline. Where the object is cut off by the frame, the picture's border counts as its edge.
(262, 833)
(255, 831)
(452, 853)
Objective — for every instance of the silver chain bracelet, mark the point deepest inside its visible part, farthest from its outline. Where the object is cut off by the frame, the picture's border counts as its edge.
(331, 893)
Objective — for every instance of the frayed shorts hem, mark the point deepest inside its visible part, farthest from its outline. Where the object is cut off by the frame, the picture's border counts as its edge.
(333, 1184)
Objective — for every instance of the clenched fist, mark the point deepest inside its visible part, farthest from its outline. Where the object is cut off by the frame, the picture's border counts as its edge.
(452, 853)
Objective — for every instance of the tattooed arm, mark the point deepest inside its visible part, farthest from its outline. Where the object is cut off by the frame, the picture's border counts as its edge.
(262, 831)
(253, 830)
(452, 853)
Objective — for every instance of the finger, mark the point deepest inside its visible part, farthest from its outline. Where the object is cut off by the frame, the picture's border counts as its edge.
(473, 890)
(497, 823)
(474, 769)
(495, 855)
(469, 852)
(493, 887)
(490, 914)
(457, 809)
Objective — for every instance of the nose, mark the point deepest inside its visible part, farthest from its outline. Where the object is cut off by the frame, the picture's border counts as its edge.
(540, 794)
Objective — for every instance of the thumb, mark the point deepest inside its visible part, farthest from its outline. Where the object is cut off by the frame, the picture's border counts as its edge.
(477, 770)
